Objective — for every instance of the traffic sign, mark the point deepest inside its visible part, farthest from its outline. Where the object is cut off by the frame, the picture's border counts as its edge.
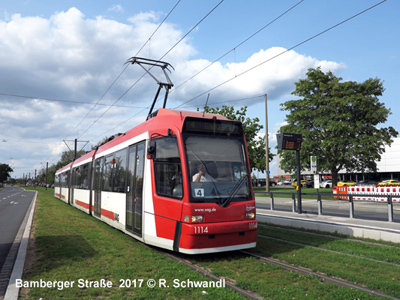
(313, 163)
(316, 181)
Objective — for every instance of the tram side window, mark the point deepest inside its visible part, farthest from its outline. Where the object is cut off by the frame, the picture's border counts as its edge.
(114, 172)
(167, 168)
(57, 181)
(67, 179)
(61, 180)
(107, 173)
(119, 166)
(64, 179)
(76, 177)
(84, 178)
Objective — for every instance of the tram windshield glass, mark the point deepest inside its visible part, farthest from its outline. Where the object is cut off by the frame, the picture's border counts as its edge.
(217, 163)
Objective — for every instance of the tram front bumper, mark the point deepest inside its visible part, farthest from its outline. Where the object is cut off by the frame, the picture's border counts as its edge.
(219, 235)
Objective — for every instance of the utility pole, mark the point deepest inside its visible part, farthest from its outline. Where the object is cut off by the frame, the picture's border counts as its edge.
(76, 146)
(266, 146)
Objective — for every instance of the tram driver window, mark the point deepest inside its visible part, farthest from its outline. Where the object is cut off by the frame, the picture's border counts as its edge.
(167, 168)
(217, 168)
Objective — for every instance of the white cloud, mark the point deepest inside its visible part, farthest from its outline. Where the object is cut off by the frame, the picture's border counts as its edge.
(264, 72)
(56, 148)
(117, 8)
(69, 56)
(145, 18)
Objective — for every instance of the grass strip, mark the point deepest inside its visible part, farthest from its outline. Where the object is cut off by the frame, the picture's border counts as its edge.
(274, 282)
(360, 270)
(70, 246)
(384, 254)
(260, 192)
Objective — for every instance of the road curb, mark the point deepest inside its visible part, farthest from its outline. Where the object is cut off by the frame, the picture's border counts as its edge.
(371, 230)
(12, 290)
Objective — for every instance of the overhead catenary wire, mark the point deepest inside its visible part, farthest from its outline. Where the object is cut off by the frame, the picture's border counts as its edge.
(179, 41)
(194, 27)
(116, 79)
(123, 70)
(293, 47)
(238, 45)
(148, 40)
(144, 73)
(254, 66)
(241, 43)
(283, 52)
(210, 104)
(228, 101)
(123, 122)
(63, 100)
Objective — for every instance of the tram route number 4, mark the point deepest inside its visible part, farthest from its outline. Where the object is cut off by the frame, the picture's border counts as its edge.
(199, 193)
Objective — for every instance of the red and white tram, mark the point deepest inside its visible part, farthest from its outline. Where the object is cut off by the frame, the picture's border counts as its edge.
(180, 181)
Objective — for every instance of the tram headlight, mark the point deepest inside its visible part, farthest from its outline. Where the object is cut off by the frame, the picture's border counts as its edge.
(250, 216)
(197, 219)
(193, 219)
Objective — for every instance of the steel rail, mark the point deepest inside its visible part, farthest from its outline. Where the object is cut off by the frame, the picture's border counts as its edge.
(323, 278)
(329, 250)
(207, 274)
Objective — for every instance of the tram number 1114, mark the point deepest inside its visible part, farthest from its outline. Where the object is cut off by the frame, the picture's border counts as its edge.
(200, 229)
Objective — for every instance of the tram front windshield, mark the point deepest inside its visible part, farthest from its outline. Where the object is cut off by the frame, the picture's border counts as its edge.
(217, 168)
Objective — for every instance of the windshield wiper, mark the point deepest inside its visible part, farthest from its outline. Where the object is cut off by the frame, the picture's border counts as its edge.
(235, 190)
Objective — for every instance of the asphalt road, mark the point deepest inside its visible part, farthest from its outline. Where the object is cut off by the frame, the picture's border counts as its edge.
(369, 210)
(14, 204)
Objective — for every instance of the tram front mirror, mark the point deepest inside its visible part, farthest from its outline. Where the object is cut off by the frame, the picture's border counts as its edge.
(151, 149)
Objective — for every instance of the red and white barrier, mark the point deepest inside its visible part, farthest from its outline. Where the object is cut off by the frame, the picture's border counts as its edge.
(340, 190)
(378, 191)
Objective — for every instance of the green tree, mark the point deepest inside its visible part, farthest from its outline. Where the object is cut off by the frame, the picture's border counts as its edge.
(68, 156)
(338, 121)
(251, 127)
(5, 171)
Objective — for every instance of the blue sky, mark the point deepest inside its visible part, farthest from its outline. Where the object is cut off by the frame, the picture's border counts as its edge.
(74, 50)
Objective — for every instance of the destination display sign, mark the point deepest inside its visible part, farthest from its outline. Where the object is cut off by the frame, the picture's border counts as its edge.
(289, 141)
(213, 126)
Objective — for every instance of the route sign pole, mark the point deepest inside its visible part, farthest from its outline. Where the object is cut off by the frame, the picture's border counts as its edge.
(298, 182)
(292, 141)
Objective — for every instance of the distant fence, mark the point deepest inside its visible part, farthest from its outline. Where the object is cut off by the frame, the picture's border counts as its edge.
(345, 197)
(368, 193)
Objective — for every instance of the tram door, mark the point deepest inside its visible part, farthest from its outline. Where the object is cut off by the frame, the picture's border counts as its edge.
(97, 180)
(134, 189)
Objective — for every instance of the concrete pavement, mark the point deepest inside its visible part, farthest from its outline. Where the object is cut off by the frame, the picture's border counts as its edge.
(372, 229)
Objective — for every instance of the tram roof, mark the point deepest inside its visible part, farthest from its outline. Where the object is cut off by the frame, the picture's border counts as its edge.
(162, 119)
(159, 122)
(88, 156)
(184, 113)
(67, 167)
